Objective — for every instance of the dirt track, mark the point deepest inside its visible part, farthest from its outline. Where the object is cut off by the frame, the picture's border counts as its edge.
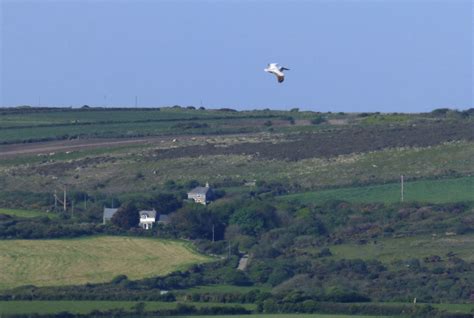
(70, 145)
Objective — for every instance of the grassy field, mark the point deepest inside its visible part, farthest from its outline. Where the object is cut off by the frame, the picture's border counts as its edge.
(26, 213)
(93, 259)
(462, 308)
(433, 191)
(84, 307)
(389, 250)
(66, 123)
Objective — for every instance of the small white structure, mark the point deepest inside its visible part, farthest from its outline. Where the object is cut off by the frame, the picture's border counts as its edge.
(147, 219)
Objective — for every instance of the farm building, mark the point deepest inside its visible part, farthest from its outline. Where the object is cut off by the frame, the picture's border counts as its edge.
(201, 195)
(163, 219)
(147, 219)
(108, 214)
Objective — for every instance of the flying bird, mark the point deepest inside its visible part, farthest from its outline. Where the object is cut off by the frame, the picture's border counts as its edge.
(274, 68)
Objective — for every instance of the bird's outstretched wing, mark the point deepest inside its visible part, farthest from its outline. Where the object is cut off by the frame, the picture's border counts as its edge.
(284, 69)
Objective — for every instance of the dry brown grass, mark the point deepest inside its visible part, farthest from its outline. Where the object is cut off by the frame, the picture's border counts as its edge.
(96, 259)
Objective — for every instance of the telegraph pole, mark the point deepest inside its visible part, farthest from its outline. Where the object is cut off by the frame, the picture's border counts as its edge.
(65, 198)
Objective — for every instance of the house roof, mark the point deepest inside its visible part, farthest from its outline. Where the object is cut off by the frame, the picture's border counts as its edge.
(150, 214)
(108, 213)
(164, 218)
(200, 190)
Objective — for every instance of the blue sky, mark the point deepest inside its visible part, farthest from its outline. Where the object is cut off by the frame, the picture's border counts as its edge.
(389, 56)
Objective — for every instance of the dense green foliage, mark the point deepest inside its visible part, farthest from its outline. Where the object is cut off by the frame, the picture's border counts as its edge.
(126, 216)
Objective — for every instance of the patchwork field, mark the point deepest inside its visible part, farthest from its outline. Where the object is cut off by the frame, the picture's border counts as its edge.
(22, 125)
(432, 191)
(93, 259)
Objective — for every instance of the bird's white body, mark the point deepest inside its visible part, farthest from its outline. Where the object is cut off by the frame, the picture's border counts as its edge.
(277, 70)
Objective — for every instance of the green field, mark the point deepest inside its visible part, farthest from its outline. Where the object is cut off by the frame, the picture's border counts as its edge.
(84, 307)
(389, 250)
(432, 191)
(462, 308)
(92, 259)
(26, 213)
(56, 124)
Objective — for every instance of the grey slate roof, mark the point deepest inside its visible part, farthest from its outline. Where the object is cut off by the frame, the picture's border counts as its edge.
(164, 218)
(108, 213)
(151, 214)
(199, 190)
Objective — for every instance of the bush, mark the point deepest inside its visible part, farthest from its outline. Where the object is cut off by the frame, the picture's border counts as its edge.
(126, 216)
(318, 120)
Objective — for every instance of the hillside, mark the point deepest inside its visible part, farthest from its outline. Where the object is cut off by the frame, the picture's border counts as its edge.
(312, 199)
(254, 145)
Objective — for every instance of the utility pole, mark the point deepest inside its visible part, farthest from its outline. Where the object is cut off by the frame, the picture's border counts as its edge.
(213, 233)
(72, 208)
(55, 200)
(65, 198)
(401, 187)
(228, 255)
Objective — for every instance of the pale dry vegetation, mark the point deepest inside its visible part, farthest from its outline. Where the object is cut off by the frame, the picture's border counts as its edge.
(89, 260)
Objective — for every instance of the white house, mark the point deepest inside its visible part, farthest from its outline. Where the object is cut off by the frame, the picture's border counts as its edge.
(147, 219)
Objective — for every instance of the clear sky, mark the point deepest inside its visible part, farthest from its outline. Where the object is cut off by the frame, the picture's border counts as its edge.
(379, 55)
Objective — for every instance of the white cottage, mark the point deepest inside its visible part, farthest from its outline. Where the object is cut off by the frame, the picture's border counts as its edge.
(147, 219)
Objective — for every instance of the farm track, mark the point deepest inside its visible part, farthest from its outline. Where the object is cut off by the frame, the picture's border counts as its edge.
(335, 142)
(72, 145)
